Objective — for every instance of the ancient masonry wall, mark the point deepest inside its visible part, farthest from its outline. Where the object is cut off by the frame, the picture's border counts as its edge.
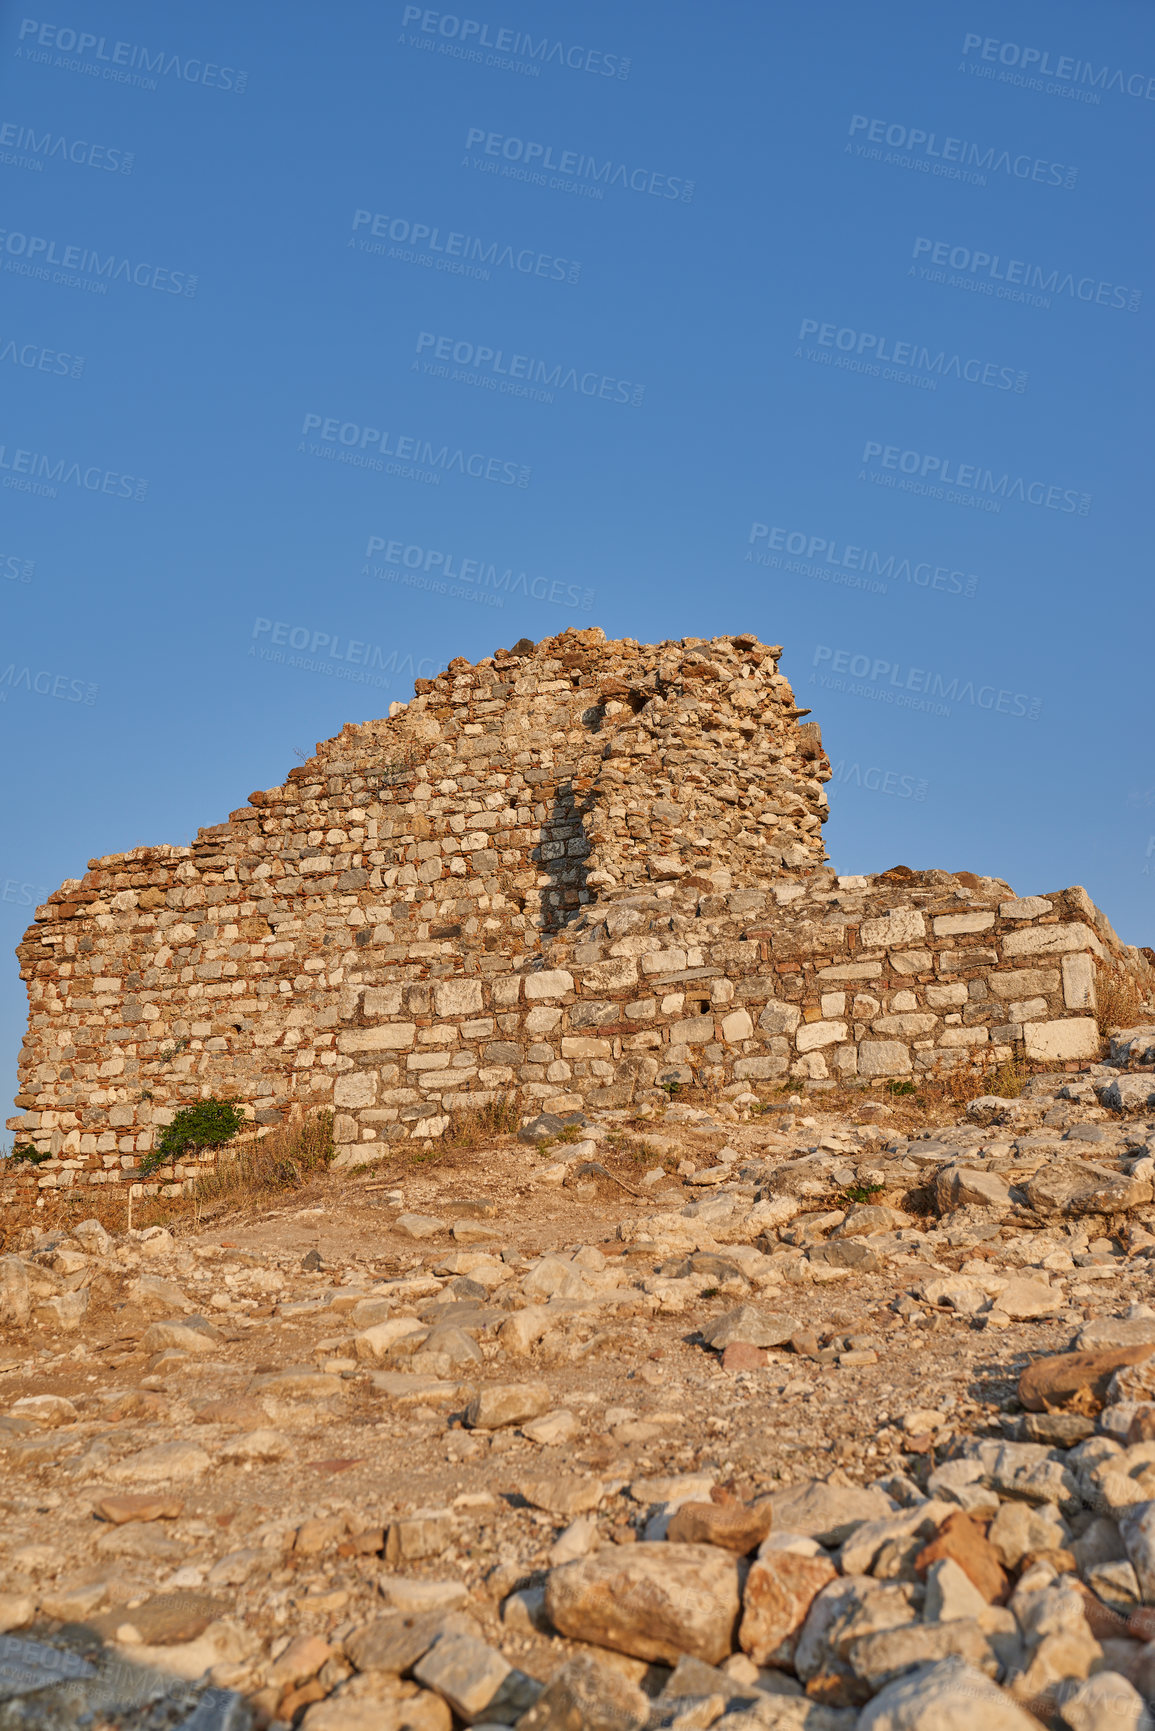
(572, 875)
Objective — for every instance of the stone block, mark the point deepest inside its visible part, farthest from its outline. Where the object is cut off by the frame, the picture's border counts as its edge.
(737, 1026)
(355, 1088)
(955, 925)
(813, 1035)
(1078, 981)
(550, 983)
(900, 926)
(694, 1031)
(883, 1058)
(457, 997)
(1051, 940)
(1077, 1037)
(1013, 983)
(389, 1037)
(583, 1046)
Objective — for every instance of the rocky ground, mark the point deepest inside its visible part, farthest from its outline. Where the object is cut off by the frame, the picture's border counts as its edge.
(711, 1417)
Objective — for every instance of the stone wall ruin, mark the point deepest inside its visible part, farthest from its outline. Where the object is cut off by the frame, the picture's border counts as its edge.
(570, 873)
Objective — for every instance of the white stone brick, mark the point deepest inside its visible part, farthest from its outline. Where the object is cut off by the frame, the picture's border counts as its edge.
(1044, 940)
(899, 926)
(854, 971)
(457, 997)
(357, 1088)
(1078, 982)
(542, 1020)
(953, 925)
(1025, 908)
(584, 1046)
(911, 961)
(1075, 1037)
(551, 983)
(964, 1037)
(812, 1035)
(1023, 982)
(833, 1004)
(615, 974)
(905, 1026)
(737, 1026)
(1027, 1010)
(389, 1037)
(943, 997)
(883, 1058)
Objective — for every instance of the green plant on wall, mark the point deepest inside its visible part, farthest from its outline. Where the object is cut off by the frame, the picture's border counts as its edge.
(208, 1124)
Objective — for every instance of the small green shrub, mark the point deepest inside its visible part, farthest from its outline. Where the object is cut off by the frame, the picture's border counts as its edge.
(208, 1124)
(900, 1087)
(862, 1192)
(27, 1154)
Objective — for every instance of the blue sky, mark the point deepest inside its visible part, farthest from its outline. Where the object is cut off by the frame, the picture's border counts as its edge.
(407, 333)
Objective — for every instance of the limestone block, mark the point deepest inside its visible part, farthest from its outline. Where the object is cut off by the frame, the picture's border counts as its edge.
(954, 925)
(1051, 940)
(1023, 982)
(900, 926)
(457, 997)
(1077, 1037)
(355, 1088)
(550, 983)
(1078, 982)
(389, 1037)
(737, 1026)
(812, 1035)
(883, 1058)
(779, 1018)
(694, 1031)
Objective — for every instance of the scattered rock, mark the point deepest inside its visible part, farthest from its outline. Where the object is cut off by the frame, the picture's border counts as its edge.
(730, 1525)
(654, 1601)
(507, 1403)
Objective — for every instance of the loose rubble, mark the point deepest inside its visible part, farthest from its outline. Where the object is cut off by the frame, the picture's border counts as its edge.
(649, 1460)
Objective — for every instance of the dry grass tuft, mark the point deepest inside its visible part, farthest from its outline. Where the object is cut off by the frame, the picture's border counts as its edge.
(474, 1125)
(1118, 1003)
(284, 1159)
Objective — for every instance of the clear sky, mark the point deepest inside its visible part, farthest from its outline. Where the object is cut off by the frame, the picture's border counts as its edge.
(338, 341)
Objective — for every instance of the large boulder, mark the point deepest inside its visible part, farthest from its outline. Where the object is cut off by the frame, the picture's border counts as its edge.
(653, 1601)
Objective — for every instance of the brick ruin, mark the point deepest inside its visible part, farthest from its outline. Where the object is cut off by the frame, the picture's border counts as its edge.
(571, 873)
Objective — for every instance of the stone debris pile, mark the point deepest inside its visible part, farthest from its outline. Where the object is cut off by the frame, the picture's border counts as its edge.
(829, 1428)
